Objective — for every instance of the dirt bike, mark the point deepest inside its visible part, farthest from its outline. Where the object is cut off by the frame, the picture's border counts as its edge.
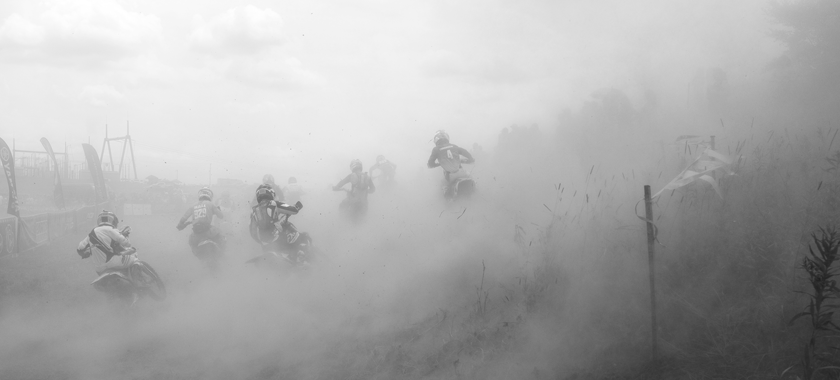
(352, 208)
(460, 188)
(288, 248)
(208, 251)
(130, 284)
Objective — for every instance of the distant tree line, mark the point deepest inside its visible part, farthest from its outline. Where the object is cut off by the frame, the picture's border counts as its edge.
(808, 73)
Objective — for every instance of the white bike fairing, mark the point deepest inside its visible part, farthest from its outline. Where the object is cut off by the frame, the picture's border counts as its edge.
(458, 174)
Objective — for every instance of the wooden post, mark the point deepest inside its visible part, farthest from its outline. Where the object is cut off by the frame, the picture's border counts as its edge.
(713, 148)
(650, 240)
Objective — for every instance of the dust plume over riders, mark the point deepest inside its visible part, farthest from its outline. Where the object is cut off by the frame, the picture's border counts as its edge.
(558, 114)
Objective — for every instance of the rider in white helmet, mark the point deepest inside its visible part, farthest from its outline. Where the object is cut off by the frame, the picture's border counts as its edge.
(293, 190)
(448, 156)
(202, 214)
(105, 244)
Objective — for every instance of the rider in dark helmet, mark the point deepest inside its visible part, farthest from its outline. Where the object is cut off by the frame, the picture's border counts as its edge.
(268, 181)
(266, 216)
(202, 214)
(448, 156)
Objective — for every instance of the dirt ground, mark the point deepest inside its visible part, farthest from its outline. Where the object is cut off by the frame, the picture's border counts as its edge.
(378, 286)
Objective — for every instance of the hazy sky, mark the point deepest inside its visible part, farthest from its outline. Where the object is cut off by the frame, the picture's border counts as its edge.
(305, 86)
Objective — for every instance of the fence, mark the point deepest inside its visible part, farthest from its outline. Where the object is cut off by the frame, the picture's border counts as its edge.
(18, 235)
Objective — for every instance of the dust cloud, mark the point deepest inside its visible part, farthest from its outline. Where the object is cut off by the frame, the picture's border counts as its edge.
(506, 283)
(542, 274)
(414, 256)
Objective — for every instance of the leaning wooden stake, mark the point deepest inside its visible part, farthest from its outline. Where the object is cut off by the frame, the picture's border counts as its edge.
(650, 240)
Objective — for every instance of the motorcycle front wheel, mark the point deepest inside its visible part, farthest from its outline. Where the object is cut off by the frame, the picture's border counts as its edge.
(148, 280)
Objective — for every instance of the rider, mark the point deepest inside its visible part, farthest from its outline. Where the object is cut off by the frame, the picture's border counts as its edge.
(110, 249)
(360, 185)
(202, 214)
(265, 216)
(108, 246)
(225, 201)
(387, 168)
(448, 156)
(293, 190)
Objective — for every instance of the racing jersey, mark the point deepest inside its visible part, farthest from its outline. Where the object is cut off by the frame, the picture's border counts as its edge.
(103, 243)
(360, 184)
(202, 214)
(265, 215)
(449, 157)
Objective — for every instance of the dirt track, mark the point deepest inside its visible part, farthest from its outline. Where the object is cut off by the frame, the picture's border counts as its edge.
(342, 319)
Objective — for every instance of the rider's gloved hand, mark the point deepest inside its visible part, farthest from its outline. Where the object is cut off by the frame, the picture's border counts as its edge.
(180, 227)
(335, 188)
(84, 253)
(125, 231)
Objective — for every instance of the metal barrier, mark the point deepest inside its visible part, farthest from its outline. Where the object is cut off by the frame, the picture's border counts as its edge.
(8, 236)
(18, 235)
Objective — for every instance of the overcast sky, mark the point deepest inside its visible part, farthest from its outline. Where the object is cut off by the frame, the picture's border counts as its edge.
(304, 86)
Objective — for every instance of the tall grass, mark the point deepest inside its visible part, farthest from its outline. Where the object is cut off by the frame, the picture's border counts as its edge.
(819, 358)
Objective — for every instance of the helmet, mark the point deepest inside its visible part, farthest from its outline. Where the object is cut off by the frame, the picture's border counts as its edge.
(264, 192)
(268, 179)
(107, 217)
(205, 193)
(292, 180)
(380, 158)
(441, 135)
(355, 165)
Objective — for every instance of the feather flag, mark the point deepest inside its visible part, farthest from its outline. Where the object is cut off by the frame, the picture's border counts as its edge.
(702, 168)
